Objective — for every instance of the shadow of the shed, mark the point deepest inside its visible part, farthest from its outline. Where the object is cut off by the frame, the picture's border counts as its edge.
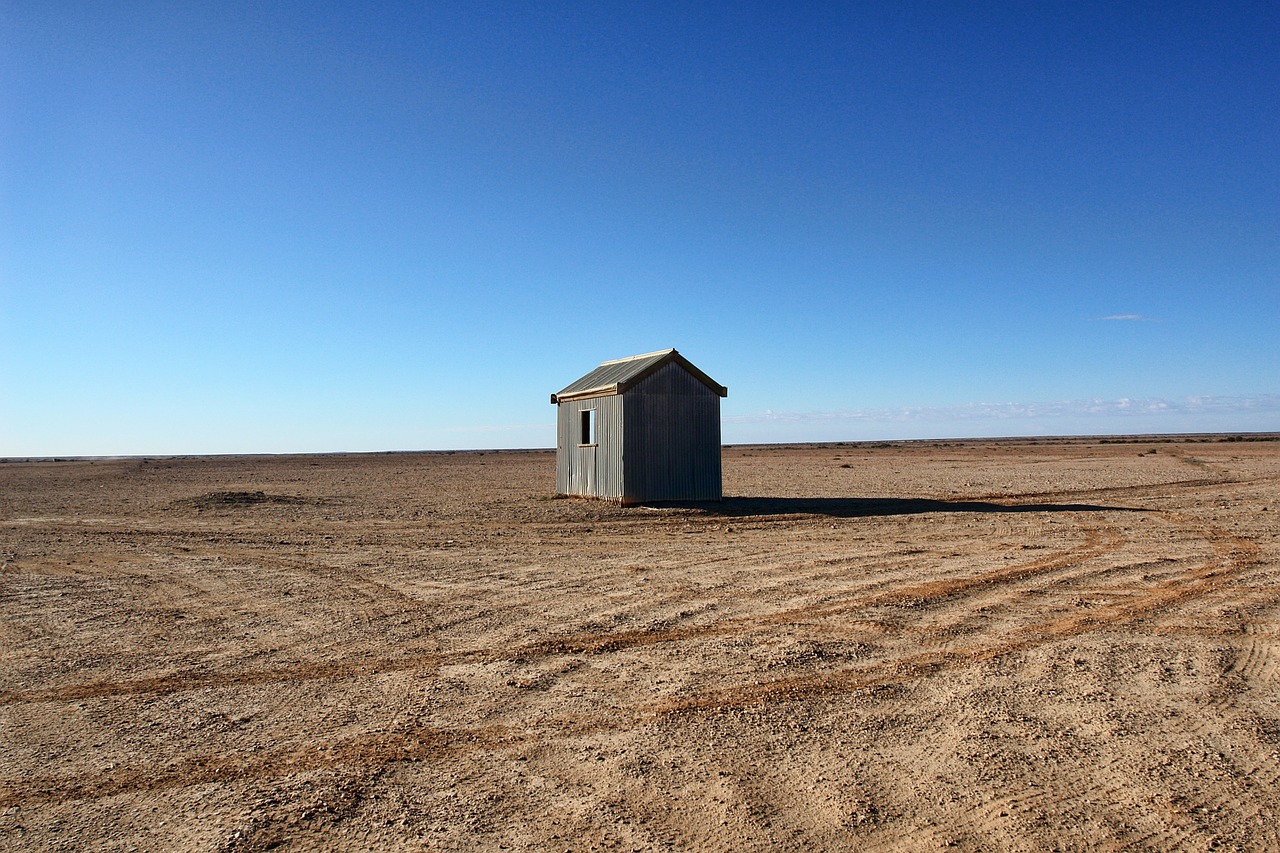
(739, 507)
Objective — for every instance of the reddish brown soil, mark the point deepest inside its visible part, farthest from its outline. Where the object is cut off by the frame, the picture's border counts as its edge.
(1016, 645)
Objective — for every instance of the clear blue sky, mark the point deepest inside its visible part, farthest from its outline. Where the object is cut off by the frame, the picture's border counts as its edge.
(268, 227)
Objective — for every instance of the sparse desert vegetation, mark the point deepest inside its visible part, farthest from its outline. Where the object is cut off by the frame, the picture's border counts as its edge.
(1034, 645)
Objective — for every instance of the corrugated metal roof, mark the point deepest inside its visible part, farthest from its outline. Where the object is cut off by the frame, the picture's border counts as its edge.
(613, 377)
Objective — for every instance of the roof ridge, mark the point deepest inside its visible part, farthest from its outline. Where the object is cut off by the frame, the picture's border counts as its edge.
(667, 351)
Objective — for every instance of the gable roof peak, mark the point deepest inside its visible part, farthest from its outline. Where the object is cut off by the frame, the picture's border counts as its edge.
(616, 375)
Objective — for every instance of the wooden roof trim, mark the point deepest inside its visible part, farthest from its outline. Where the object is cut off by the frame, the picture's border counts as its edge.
(605, 391)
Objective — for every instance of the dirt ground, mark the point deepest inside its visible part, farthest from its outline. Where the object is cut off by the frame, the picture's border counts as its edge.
(1030, 645)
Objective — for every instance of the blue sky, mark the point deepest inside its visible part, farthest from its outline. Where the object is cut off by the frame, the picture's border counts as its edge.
(272, 227)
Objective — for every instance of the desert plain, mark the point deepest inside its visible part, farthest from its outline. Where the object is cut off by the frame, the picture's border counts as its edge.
(1012, 645)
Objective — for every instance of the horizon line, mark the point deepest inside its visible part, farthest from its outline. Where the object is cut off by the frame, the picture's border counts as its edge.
(1255, 435)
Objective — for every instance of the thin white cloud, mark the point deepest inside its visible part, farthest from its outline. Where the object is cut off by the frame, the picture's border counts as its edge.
(1130, 317)
(1122, 407)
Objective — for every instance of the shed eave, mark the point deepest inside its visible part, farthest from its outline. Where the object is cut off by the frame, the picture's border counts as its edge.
(605, 391)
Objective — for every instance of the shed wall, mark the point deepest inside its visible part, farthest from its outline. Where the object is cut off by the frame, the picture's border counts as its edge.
(594, 470)
(672, 438)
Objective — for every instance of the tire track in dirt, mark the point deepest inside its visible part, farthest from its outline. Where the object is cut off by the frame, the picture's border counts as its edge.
(915, 595)
(369, 749)
(1138, 490)
(1175, 829)
(158, 543)
(1011, 603)
(347, 582)
(409, 746)
(585, 644)
(978, 822)
(195, 680)
(1258, 661)
(1230, 555)
(1181, 829)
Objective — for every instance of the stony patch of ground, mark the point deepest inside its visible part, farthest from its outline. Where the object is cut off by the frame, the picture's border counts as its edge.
(1001, 645)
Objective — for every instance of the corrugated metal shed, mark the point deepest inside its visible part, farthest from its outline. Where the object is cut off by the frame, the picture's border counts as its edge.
(644, 428)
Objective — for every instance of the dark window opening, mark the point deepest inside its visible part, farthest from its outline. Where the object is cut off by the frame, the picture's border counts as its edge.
(588, 427)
